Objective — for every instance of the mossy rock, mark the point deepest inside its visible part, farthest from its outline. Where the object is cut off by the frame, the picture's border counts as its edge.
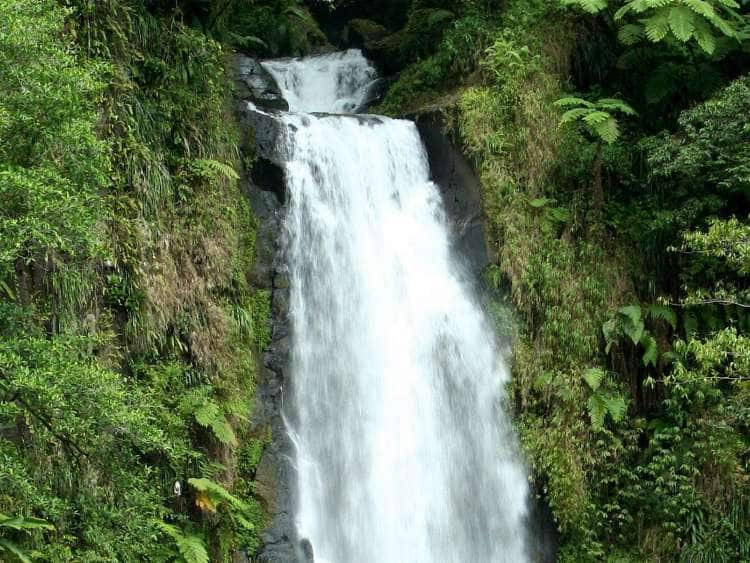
(361, 32)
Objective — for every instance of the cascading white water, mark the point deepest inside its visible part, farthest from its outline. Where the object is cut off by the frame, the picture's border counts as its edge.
(334, 83)
(404, 452)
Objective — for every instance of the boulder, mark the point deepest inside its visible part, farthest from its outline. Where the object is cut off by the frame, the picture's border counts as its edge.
(255, 84)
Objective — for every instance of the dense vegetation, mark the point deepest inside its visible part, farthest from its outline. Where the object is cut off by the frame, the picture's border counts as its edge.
(612, 142)
(126, 318)
(612, 138)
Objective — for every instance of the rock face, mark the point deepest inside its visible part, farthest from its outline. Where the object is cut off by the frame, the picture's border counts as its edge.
(461, 190)
(256, 85)
(265, 188)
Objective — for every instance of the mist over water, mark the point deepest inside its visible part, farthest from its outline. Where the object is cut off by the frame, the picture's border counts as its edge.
(403, 448)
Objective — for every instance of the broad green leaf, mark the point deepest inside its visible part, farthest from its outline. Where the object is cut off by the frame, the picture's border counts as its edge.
(651, 350)
(632, 312)
(634, 331)
(7, 545)
(539, 202)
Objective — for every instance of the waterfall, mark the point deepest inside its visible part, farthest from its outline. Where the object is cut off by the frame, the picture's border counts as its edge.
(404, 452)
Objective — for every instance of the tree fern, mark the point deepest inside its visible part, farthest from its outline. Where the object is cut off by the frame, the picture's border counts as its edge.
(211, 495)
(684, 20)
(596, 117)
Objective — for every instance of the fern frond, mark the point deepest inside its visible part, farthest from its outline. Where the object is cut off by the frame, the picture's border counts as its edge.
(657, 26)
(210, 415)
(616, 105)
(597, 410)
(588, 6)
(217, 493)
(704, 36)
(608, 131)
(593, 377)
(572, 101)
(664, 313)
(596, 117)
(616, 406)
(192, 549)
(574, 114)
(701, 7)
(217, 168)
(681, 22)
(630, 34)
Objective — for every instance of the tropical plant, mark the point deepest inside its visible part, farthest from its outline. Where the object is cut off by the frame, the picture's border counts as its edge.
(21, 523)
(597, 119)
(683, 20)
(629, 322)
(603, 399)
(191, 547)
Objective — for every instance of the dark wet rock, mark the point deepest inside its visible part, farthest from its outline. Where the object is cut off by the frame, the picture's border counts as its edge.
(266, 132)
(363, 33)
(269, 176)
(460, 188)
(375, 93)
(265, 188)
(307, 550)
(280, 303)
(255, 84)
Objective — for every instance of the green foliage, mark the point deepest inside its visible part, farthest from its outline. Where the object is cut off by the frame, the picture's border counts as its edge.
(191, 547)
(125, 243)
(596, 117)
(660, 20)
(684, 20)
(51, 163)
(269, 28)
(589, 6)
(20, 523)
(602, 403)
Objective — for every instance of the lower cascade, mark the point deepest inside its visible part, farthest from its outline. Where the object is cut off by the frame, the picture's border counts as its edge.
(404, 452)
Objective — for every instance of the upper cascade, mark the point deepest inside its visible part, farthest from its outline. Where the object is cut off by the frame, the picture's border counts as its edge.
(332, 83)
